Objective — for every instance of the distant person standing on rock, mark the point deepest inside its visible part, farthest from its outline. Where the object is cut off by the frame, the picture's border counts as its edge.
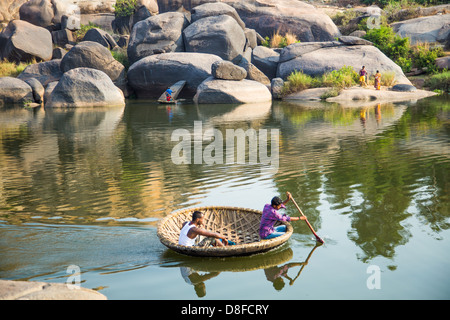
(377, 80)
(362, 76)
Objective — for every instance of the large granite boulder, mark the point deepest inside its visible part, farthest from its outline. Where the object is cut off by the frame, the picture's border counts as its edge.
(46, 13)
(37, 12)
(23, 41)
(286, 16)
(157, 34)
(91, 54)
(317, 58)
(152, 75)
(227, 70)
(425, 29)
(227, 91)
(13, 90)
(266, 60)
(220, 35)
(215, 9)
(100, 36)
(45, 72)
(85, 87)
(269, 16)
(9, 9)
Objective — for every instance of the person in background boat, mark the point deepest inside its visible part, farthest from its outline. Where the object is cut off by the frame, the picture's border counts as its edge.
(362, 76)
(169, 94)
(270, 216)
(192, 229)
(377, 84)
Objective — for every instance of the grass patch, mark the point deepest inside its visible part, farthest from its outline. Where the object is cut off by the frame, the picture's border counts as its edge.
(439, 82)
(336, 79)
(79, 34)
(280, 41)
(11, 69)
(388, 78)
(120, 54)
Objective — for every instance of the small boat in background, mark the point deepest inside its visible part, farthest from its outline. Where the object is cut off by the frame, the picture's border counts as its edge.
(176, 89)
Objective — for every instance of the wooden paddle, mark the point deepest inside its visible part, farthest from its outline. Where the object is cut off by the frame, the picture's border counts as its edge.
(307, 222)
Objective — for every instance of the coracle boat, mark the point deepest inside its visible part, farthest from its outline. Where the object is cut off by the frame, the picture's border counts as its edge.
(239, 225)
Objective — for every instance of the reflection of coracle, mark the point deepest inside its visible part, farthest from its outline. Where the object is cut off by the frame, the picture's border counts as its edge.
(231, 264)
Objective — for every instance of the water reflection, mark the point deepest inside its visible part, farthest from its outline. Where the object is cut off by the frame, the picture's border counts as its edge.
(379, 165)
(275, 264)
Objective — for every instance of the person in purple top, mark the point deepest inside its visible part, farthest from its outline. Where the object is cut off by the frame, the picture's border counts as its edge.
(270, 216)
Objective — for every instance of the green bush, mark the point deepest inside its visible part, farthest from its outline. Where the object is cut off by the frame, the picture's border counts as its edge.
(440, 81)
(79, 34)
(395, 47)
(121, 56)
(124, 8)
(297, 81)
(336, 79)
(424, 57)
(343, 78)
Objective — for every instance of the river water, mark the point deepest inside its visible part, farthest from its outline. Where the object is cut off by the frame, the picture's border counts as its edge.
(84, 190)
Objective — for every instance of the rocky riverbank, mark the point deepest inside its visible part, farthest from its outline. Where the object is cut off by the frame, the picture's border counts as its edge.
(168, 41)
(32, 290)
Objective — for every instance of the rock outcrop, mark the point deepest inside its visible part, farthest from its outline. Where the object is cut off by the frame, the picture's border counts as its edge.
(313, 58)
(161, 33)
(213, 91)
(220, 35)
(429, 29)
(13, 90)
(33, 290)
(151, 76)
(23, 41)
(93, 55)
(85, 87)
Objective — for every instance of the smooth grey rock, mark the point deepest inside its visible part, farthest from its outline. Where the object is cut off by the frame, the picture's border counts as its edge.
(13, 90)
(45, 72)
(23, 41)
(225, 91)
(227, 70)
(404, 88)
(266, 60)
(220, 35)
(100, 36)
(152, 75)
(85, 87)
(158, 34)
(93, 55)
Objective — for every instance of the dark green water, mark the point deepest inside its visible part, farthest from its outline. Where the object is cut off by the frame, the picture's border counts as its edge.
(87, 188)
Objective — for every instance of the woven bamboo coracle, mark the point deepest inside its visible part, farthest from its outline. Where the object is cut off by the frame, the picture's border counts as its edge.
(239, 225)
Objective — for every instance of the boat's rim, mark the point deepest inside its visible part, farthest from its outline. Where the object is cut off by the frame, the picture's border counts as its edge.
(238, 249)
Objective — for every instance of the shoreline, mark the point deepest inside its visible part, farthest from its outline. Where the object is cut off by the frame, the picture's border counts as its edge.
(37, 290)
